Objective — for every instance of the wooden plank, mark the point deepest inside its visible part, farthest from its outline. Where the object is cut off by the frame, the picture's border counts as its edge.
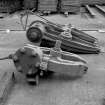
(6, 85)
(47, 5)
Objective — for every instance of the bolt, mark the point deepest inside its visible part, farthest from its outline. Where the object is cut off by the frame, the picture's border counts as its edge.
(34, 54)
(37, 64)
(15, 58)
(19, 69)
(85, 70)
(22, 50)
(30, 72)
(41, 73)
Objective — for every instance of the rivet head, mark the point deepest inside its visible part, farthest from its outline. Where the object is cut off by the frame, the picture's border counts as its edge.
(34, 54)
(22, 50)
(15, 58)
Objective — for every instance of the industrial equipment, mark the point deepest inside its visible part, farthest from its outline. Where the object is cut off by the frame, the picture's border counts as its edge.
(73, 40)
(34, 61)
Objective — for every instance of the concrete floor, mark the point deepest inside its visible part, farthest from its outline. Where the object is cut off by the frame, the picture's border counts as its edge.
(58, 89)
(80, 20)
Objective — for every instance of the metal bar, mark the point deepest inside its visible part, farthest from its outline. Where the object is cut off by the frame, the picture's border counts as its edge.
(90, 11)
(100, 8)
